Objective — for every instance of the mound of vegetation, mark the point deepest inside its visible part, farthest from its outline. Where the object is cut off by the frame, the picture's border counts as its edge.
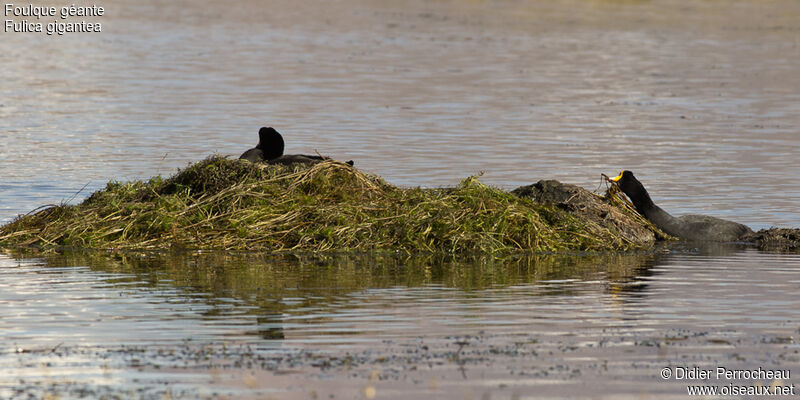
(220, 203)
(779, 240)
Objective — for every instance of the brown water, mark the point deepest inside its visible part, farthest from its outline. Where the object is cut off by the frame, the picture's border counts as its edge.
(700, 99)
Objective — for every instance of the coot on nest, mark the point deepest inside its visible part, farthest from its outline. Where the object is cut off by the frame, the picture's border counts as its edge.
(270, 149)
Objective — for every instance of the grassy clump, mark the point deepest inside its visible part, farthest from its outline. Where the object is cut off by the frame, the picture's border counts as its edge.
(616, 198)
(219, 203)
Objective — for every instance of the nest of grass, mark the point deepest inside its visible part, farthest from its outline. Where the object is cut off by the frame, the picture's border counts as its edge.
(226, 204)
(616, 198)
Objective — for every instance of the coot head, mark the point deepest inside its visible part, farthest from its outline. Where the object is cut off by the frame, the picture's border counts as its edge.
(626, 180)
(270, 142)
(634, 190)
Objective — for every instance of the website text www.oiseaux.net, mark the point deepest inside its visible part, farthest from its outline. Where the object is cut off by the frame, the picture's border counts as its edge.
(763, 382)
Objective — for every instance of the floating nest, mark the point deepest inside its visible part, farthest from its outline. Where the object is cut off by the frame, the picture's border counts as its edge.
(225, 204)
(776, 240)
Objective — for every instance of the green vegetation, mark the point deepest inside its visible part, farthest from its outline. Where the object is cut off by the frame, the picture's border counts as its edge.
(227, 204)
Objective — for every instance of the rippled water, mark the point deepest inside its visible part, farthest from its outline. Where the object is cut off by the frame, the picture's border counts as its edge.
(541, 324)
(698, 98)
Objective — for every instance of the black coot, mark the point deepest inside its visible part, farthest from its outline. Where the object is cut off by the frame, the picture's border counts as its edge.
(270, 149)
(688, 227)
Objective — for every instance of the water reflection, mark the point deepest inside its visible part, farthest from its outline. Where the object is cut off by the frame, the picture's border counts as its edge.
(537, 316)
(325, 296)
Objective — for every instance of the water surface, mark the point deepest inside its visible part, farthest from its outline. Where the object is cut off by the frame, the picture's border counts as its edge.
(249, 325)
